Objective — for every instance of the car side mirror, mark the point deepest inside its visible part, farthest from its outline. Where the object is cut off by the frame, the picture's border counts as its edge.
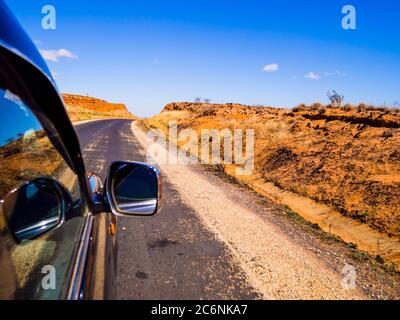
(134, 189)
(35, 208)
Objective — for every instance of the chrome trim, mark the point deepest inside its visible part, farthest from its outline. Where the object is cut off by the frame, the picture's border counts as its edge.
(80, 262)
(109, 196)
(39, 228)
(142, 207)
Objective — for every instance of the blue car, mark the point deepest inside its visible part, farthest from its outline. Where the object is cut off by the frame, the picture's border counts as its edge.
(57, 222)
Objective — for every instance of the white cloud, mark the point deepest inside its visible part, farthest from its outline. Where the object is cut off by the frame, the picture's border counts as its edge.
(340, 73)
(312, 76)
(336, 73)
(271, 67)
(37, 42)
(14, 98)
(55, 55)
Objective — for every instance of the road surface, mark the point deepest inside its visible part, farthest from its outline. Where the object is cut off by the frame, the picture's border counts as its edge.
(216, 240)
(164, 257)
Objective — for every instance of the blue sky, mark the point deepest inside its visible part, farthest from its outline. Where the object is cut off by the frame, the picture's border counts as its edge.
(148, 53)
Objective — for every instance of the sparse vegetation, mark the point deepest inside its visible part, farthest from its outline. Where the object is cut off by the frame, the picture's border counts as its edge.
(335, 98)
(316, 106)
(336, 154)
(362, 107)
(88, 108)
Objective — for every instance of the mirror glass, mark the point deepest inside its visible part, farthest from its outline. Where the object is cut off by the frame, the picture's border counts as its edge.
(135, 188)
(34, 208)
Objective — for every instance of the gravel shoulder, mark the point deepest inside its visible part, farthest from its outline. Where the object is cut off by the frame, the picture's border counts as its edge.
(282, 256)
(171, 256)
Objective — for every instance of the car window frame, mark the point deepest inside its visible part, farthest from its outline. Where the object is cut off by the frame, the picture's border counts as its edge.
(28, 81)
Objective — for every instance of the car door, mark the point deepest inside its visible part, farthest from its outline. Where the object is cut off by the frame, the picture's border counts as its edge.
(57, 227)
(43, 214)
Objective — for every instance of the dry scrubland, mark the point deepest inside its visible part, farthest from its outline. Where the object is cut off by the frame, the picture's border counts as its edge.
(36, 154)
(88, 108)
(347, 158)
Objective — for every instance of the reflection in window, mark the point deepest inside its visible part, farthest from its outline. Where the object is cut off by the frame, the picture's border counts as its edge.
(25, 150)
(26, 154)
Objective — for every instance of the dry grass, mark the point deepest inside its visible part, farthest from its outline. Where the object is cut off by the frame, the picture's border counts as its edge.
(272, 130)
(82, 108)
(80, 114)
(361, 107)
(162, 120)
(347, 158)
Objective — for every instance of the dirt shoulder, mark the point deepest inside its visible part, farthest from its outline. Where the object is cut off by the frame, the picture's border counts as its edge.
(340, 161)
(283, 257)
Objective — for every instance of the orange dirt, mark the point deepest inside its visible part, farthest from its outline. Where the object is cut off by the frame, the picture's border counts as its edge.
(347, 158)
(87, 108)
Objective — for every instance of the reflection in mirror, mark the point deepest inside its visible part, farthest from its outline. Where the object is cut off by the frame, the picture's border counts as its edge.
(135, 188)
(34, 208)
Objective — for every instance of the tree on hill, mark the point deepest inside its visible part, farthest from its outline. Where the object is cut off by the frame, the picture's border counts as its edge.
(335, 98)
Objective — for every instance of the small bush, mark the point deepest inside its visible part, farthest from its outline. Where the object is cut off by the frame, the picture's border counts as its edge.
(335, 98)
(362, 107)
(316, 106)
(209, 112)
(348, 107)
(300, 107)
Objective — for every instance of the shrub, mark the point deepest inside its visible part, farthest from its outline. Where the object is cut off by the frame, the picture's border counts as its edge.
(362, 107)
(209, 112)
(316, 106)
(300, 107)
(348, 107)
(335, 98)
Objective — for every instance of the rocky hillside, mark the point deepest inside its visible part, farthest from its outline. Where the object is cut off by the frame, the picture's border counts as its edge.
(347, 158)
(87, 108)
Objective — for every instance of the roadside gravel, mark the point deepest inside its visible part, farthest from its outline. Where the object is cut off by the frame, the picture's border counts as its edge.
(274, 263)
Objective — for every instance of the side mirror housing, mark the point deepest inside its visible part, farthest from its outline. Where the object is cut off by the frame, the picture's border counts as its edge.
(35, 208)
(134, 189)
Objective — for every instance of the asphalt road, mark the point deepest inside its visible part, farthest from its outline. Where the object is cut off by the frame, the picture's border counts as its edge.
(170, 256)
